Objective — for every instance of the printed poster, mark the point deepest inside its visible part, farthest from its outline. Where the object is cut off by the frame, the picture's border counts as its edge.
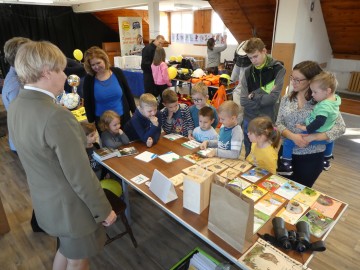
(129, 29)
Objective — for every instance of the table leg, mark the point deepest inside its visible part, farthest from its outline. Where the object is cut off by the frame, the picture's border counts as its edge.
(127, 201)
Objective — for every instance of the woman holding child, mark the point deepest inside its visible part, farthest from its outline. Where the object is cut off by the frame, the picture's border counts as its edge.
(295, 107)
(105, 88)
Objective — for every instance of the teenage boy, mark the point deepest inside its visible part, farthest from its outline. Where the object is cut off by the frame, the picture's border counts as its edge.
(145, 124)
(230, 138)
(147, 58)
(260, 88)
(205, 131)
(176, 117)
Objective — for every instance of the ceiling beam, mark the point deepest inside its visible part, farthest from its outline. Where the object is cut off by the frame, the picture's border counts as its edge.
(108, 5)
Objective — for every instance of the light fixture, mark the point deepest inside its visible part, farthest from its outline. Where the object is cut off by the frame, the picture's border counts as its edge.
(38, 1)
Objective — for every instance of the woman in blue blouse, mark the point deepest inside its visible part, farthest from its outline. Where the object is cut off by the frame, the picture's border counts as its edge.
(105, 88)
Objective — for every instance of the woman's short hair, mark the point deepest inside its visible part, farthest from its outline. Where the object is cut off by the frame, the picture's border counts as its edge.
(11, 47)
(34, 57)
(95, 52)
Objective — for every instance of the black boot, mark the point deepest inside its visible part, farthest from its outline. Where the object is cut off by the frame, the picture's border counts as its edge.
(327, 164)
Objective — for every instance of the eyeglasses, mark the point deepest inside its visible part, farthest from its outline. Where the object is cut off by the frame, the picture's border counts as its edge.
(296, 80)
(197, 99)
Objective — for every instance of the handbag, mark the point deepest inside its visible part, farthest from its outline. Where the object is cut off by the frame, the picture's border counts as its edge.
(231, 217)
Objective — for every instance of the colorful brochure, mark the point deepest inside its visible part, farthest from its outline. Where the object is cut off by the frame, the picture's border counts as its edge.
(254, 192)
(326, 206)
(307, 196)
(289, 189)
(319, 224)
(260, 219)
(292, 212)
(270, 203)
(254, 174)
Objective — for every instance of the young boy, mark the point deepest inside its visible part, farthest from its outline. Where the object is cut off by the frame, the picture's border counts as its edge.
(205, 131)
(145, 124)
(200, 97)
(260, 87)
(91, 145)
(176, 117)
(321, 119)
(230, 136)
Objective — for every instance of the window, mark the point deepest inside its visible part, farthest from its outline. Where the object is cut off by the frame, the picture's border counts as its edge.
(217, 26)
(182, 22)
(164, 25)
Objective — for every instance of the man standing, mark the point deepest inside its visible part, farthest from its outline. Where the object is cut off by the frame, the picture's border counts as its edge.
(260, 88)
(146, 61)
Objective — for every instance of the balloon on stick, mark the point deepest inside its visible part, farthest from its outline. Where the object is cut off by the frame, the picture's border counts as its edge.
(78, 55)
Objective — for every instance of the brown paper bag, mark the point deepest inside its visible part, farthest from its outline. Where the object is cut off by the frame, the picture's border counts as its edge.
(197, 186)
(231, 217)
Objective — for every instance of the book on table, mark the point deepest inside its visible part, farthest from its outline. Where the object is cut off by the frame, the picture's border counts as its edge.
(128, 151)
(105, 153)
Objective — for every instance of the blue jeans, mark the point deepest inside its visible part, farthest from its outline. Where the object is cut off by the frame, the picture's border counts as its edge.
(288, 146)
(247, 142)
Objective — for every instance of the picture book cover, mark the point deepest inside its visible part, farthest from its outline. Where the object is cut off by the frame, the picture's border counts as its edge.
(272, 183)
(217, 167)
(319, 224)
(292, 212)
(264, 256)
(173, 136)
(326, 206)
(127, 151)
(178, 179)
(289, 189)
(243, 166)
(254, 174)
(260, 219)
(230, 173)
(195, 157)
(307, 196)
(105, 153)
(191, 144)
(254, 192)
(270, 203)
(239, 184)
(191, 169)
(231, 162)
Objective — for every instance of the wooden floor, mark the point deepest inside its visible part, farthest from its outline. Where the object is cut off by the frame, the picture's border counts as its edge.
(162, 241)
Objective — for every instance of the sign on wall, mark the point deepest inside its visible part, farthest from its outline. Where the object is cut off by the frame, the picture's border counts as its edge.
(129, 29)
(199, 39)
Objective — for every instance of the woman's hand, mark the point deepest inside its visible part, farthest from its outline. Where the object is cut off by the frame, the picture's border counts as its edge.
(299, 140)
(110, 219)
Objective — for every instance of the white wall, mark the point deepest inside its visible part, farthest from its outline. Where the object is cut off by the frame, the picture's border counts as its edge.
(176, 49)
(342, 69)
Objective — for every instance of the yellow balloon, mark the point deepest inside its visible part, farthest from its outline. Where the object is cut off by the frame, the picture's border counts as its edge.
(172, 71)
(112, 185)
(78, 54)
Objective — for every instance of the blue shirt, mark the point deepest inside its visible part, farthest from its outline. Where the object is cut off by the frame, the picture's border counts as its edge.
(108, 96)
(195, 116)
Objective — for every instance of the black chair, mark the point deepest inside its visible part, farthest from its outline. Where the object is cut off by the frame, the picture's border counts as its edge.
(119, 208)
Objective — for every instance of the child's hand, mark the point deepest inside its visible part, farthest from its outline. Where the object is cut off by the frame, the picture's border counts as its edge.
(121, 132)
(203, 145)
(191, 137)
(212, 153)
(154, 120)
(149, 142)
(302, 127)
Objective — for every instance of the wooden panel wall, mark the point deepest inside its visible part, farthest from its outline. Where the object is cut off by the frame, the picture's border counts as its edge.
(202, 21)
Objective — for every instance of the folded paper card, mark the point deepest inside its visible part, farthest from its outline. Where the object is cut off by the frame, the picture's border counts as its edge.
(162, 187)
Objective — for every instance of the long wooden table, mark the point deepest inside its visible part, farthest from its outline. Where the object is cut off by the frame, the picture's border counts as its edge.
(129, 167)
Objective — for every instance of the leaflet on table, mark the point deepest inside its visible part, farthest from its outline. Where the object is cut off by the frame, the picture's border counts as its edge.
(242, 166)
(105, 153)
(169, 157)
(326, 206)
(173, 136)
(230, 173)
(239, 184)
(254, 192)
(204, 152)
(195, 157)
(292, 212)
(139, 179)
(264, 256)
(260, 219)
(319, 224)
(272, 183)
(289, 189)
(269, 203)
(178, 179)
(128, 151)
(307, 196)
(255, 174)
(231, 162)
(206, 162)
(191, 144)
(146, 156)
(217, 167)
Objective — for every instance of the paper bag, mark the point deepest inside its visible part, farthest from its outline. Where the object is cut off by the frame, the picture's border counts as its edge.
(197, 185)
(231, 217)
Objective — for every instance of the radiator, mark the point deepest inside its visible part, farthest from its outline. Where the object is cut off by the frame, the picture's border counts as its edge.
(354, 84)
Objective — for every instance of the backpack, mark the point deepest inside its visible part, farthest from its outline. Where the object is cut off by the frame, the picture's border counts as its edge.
(240, 57)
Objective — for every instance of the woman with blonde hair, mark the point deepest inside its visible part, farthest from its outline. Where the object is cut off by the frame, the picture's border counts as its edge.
(105, 88)
(66, 194)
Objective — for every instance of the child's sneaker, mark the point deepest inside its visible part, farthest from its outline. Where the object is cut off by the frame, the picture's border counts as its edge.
(285, 167)
(327, 164)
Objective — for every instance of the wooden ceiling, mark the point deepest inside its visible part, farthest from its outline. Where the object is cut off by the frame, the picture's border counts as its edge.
(256, 18)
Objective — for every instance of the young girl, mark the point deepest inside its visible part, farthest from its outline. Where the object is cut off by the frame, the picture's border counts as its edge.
(112, 136)
(160, 73)
(91, 145)
(265, 139)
